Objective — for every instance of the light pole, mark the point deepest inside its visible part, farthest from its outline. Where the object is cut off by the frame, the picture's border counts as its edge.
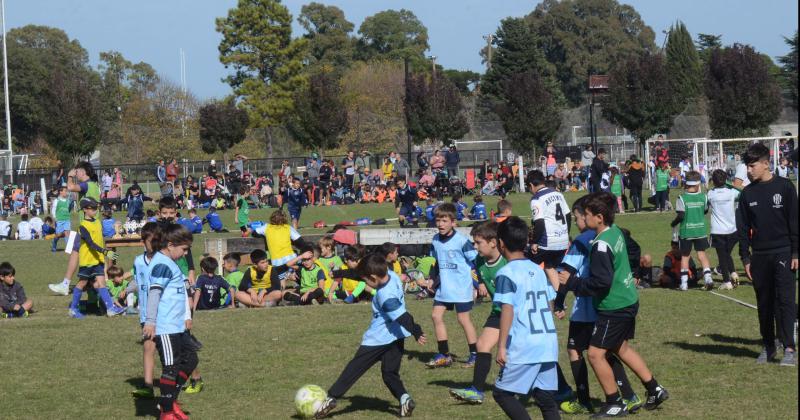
(5, 91)
(433, 65)
(489, 39)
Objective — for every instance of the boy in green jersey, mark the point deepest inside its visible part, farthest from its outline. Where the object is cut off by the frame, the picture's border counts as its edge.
(61, 212)
(611, 285)
(230, 265)
(662, 187)
(487, 264)
(691, 208)
(242, 215)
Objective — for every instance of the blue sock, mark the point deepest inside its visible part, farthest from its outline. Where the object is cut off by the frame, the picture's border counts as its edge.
(106, 297)
(55, 242)
(76, 297)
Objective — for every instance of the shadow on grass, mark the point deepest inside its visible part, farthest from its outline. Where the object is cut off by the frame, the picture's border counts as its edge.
(733, 340)
(422, 356)
(145, 407)
(715, 349)
(452, 384)
(360, 403)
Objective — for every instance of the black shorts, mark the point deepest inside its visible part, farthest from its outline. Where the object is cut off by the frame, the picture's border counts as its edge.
(580, 334)
(91, 271)
(493, 321)
(551, 259)
(459, 307)
(686, 245)
(612, 329)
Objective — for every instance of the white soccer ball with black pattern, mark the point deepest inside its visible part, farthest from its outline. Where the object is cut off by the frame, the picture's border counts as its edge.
(308, 400)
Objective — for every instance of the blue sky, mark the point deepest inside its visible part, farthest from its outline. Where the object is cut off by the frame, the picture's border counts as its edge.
(155, 30)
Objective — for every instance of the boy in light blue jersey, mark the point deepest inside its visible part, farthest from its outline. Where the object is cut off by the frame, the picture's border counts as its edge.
(582, 320)
(455, 256)
(141, 285)
(529, 349)
(384, 339)
(166, 318)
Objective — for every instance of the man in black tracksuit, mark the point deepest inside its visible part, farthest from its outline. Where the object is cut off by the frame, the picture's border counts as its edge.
(767, 223)
(598, 168)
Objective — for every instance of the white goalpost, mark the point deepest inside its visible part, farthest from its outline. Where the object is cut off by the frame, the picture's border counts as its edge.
(707, 155)
(491, 148)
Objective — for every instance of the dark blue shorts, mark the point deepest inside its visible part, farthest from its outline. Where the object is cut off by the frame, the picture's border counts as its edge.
(294, 213)
(460, 307)
(408, 212)
(91, 271)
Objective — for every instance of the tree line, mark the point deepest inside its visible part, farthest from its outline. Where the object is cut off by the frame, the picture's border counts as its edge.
(335, 86)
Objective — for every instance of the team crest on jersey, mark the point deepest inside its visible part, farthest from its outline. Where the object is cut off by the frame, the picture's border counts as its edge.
(776, 200)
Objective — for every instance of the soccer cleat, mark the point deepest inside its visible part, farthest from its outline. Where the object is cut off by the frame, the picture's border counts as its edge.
(709, 285)
(59, 288)
(766, 355)
(470, 362)
(407, 407)
(75, 313)
(5, 315)
(632, 405)
(684, 287)
(179, 414)
(440, 360)
(610, 410)
(470, 395)
(788, 359)
(575, 407)
(716, 271)
(144, 392)
(655, 399)
(194, 388)
(24, 314)
(131, 311)
(114, 311)
(726, 286)
(327, 406)
(564, 395)
(735, 279)
(168, 415)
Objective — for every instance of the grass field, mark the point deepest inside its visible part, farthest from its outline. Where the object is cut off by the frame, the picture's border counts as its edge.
(700, 346)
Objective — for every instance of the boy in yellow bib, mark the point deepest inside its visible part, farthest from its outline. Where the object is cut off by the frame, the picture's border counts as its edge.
(91, 261)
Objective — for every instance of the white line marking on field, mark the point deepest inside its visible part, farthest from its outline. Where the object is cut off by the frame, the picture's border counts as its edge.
(734, 299)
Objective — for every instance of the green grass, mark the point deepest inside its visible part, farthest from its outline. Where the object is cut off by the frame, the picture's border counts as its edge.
(701, 347)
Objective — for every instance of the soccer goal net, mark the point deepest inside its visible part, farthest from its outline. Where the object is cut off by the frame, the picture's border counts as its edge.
(706, 155)
(480, 150)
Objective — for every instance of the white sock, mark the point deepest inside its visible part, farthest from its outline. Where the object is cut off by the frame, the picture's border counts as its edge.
(65, 282)
(404, 398)
(707, 275)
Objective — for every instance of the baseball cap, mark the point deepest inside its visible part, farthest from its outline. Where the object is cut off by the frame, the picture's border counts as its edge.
(88, 203)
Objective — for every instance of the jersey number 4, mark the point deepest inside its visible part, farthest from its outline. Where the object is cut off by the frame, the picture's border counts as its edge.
(560, 214)
(533, 297)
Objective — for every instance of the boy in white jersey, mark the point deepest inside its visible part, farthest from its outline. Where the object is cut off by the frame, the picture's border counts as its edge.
(455, 256)
(166, 318)
(722, 201)
(384, 339)
(529, 351)
(551, 221)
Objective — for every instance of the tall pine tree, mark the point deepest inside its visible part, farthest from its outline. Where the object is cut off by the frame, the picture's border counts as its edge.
(683, 64)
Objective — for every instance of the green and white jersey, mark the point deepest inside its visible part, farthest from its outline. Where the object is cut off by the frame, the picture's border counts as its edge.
(662, 180)
(623, 289)
(61, 209)
(486, 275)
(694, 206)
(616, 186)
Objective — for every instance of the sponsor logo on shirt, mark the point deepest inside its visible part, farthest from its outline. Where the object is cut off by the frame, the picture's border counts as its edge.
(776, 200)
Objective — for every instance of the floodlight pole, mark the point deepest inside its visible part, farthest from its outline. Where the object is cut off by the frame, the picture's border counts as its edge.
(5, 91)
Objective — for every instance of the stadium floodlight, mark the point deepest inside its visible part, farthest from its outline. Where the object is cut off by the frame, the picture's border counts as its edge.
(5, 92)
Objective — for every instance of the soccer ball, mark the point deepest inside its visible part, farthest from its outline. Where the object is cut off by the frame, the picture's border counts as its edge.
(308, 400)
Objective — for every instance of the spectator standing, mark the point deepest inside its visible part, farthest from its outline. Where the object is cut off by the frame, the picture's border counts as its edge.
(452, 159)
(635, 182)
(349, 167)
(550, 154)
(587, 157)
(238, 162)
(437, 162)
(161, 172)
(661, 152)
(363, 165)
(172, 171)
(106, 182)
(422, 161)
(598, 168)
(401, 166)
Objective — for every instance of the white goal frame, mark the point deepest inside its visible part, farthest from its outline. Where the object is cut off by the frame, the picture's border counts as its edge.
(458, 142)
(701, 146)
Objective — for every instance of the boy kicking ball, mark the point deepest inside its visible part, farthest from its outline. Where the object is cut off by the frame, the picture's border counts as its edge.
(611, 284)
(528, 357)
(384, 339)
(488, 263)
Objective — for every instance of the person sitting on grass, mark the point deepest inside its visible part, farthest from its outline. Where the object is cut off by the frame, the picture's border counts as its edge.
(24, 232)
(312, 276)
(117, 286)
(330, 261)
(214, 222)
(13, 302)
(261, 284)
(209, 287)
(504, 210)
(478, 211)
(232, 275)
(671, 269)
(195, 222)
(352, 287)
(108, 223)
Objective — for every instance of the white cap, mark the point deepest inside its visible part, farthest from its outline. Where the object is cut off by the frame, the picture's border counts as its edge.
(213, 162)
